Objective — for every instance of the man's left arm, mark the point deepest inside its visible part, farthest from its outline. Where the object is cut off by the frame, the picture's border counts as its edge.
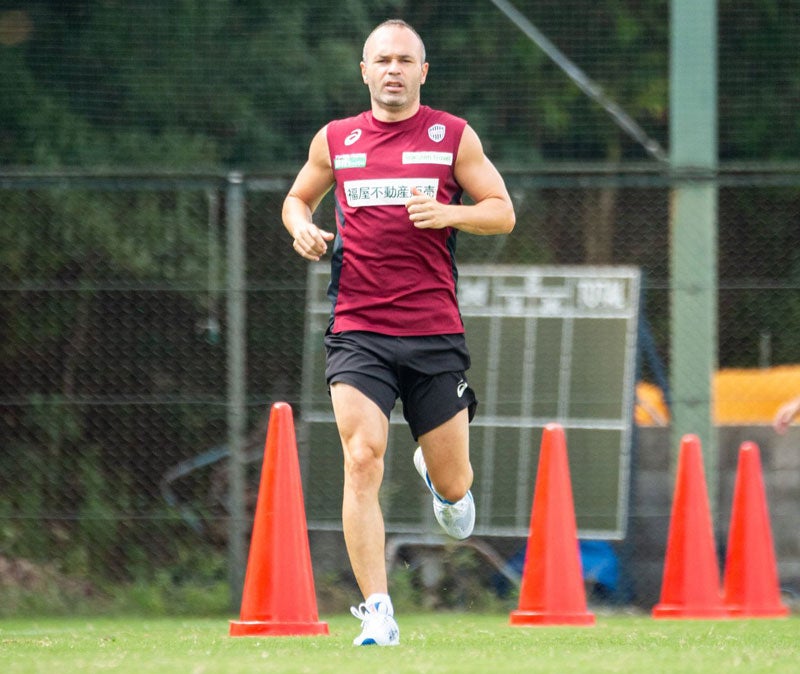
(492, 212)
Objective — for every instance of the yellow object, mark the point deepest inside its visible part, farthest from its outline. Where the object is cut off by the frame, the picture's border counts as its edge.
(742, 397)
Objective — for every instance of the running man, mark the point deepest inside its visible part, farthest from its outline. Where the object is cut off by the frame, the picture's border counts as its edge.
(398, 171)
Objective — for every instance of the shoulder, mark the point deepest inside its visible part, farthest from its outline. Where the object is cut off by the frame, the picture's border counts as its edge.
(434, 116)
(346, 125)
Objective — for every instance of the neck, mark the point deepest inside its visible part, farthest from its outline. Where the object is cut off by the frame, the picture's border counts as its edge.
(383, 114)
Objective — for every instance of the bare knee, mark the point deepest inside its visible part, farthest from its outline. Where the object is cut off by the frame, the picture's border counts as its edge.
(363, 467)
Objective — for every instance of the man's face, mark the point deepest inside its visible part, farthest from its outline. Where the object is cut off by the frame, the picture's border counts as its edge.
(393, 69)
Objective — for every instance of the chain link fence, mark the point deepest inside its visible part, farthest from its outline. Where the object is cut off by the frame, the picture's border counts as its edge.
(115, 311)
(152, 308)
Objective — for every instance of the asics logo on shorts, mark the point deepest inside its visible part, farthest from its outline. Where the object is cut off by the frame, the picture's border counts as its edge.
(462, 386)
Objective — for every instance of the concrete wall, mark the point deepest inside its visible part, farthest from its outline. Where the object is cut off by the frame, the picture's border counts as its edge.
(651, 503)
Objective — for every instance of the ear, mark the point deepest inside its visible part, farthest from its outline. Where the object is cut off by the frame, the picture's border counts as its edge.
(424, 73)
(364, 72)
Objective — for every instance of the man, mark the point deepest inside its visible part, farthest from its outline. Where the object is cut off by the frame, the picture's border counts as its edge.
(398, 171)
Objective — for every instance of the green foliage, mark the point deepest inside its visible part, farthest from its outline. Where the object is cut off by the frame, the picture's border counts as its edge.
(39, 456)
(193, 583)
(183, 85)
(760, 82)
(68, 336)
(246, 84)
(451, 578)
(29, 589)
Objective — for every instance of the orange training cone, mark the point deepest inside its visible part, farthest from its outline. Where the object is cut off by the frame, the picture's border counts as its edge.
(751, 587)
(279, 597)
(552, 590)
(690, 587)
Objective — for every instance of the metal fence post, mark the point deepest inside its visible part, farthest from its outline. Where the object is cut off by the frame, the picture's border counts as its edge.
(237, 383)
(693, 264)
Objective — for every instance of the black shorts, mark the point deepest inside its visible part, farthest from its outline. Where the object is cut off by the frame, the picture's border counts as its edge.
(427, 373)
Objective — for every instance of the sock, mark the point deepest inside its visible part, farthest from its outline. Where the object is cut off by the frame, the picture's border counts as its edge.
(435, 493)
(377, 599)
(443, 500)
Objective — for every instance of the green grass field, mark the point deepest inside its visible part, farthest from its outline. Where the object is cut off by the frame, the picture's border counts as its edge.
(437, 643)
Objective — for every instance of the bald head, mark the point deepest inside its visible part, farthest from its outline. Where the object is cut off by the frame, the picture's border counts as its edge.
(393, 24)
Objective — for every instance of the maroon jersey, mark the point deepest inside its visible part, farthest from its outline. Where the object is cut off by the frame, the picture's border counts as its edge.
(386, 275)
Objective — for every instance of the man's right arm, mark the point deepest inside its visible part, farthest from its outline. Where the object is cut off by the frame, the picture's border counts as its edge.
(310, 186)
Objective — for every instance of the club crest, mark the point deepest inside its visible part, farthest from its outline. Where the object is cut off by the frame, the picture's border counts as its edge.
(436, 133)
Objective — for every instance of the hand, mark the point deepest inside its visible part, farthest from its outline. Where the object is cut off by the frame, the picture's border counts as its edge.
(787, 412)
(425, 212)
(310, 241)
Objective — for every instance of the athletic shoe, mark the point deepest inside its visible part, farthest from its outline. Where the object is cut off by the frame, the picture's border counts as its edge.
(457, 519)
(378, 627)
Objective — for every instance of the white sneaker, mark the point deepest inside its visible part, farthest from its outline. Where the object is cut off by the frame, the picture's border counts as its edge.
(457, 519)
(378, 627)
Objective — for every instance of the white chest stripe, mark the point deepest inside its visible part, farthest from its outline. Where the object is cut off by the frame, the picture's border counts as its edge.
(387, 192)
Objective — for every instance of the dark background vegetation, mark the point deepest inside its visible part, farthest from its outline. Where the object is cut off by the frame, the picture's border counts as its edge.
(119, 124)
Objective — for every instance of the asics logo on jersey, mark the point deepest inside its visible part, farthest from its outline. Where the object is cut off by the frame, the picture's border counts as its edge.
(352, 137)
(462, 386)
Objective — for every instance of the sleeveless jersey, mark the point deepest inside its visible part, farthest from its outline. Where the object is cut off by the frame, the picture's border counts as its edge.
(386, 275)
